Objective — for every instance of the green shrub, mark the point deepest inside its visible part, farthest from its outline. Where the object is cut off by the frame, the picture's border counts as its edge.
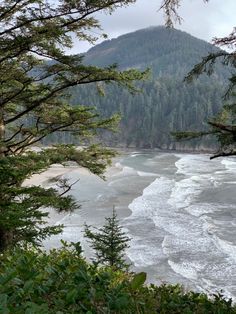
(61, 281)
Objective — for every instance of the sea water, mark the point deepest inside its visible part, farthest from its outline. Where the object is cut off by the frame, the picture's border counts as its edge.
(179, 211)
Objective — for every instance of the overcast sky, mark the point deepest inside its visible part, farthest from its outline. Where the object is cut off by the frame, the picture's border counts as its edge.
(205, 21)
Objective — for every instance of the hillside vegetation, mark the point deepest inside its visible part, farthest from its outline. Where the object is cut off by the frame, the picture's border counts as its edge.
(166, 103)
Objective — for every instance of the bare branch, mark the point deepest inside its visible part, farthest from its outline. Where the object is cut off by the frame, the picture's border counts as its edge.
(223, 154)
(223, 127)
(65, 185)
(15, 134)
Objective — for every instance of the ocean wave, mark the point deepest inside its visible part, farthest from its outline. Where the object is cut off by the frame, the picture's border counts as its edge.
(187, 270)
(226, 247)
(134, 154)
(187, 245)
(147, 174)
(153, 198)
(200, 209)
(124, 170)
(185, 191)
(142, 253)
(119, 165)
(190, 165)
(229, 164)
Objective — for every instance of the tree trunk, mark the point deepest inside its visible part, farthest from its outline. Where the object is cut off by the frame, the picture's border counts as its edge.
(6, 236)
(2, 134)
(6, 239)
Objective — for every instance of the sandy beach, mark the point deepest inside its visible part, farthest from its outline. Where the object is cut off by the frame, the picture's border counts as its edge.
(47, 179)
(95, 196)
(178, 210)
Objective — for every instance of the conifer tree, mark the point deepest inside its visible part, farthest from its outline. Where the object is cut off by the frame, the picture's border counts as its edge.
(223, 125)
(35, 77)
(109, 243)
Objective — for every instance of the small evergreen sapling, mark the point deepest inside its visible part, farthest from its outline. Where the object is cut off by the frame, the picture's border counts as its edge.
(109, 242)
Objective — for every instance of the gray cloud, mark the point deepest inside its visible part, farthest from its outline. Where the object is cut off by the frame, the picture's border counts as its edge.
(202, 20)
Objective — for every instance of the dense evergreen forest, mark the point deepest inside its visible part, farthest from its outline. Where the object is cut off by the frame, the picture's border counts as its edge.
(166, 103)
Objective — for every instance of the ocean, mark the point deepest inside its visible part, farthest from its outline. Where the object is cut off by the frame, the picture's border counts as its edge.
(179, 211)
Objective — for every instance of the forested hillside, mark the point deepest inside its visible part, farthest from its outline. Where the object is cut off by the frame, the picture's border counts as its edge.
(166, 103)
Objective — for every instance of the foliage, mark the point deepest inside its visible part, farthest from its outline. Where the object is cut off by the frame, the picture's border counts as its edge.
(34, 94)
(166, 103)
(61, 281)
(35, 74)
(109, 243)
(222, 125)
(22, 214)
(170, 8)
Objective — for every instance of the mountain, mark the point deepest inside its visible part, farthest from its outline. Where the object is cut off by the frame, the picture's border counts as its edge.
(162, 49)
(166, 103)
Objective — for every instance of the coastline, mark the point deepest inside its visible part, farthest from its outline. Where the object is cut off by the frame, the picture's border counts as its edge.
(46, 180)
(97, 206)
(162, 150)
(154, 242)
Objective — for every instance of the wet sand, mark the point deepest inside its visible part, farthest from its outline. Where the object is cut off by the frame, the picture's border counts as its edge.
(47, 179)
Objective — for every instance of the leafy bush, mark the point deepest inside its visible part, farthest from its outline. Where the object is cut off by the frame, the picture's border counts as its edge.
(61, 281)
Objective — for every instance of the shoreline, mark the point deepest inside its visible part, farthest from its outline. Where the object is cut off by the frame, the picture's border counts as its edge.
(45, 179)
(123, 149)
(174, 151)
(121, 187)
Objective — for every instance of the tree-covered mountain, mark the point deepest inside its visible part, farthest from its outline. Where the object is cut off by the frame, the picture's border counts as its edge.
(166, 103)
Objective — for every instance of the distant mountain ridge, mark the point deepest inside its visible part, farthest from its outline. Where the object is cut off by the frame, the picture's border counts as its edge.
(154, 46)
(166, 104)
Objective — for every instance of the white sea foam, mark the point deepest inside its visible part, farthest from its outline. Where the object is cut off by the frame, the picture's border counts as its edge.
(153, 199)
(200, 209)
(128, 171)
(118, 165)
(199, 175)
(146, 174)
(187, 270)
(225, 246)
(125, 170)
(229, 164)
(185, 191)
(186, 244)
(190, 165)
(191, 241)
(142, 253)
(134, 154)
